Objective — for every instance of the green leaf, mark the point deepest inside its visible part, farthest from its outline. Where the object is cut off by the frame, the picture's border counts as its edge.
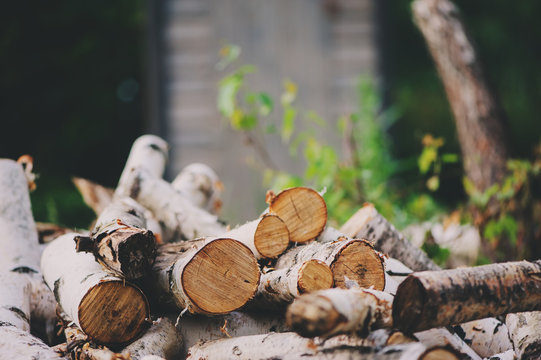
(449, 158)
(428, 156)
(288, 123)
(437, 253)
(289, 94)
(266, 103)
(433, 183)
(228, 54)
(227, 94)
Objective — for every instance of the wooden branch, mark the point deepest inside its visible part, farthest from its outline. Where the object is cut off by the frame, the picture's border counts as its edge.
(337, 311)
(180, 219)
(105, 307)
(447, 297)
(267, 237)
(355, 259)
(442, 337)
(120, 240)
(208, 276)
(302, 209)
(199, 183)
(162, 340)
(525, 332)
(148, 152)
(487, 337)
(280, 287)
(96, 196)
(480, 121)
(368, 224)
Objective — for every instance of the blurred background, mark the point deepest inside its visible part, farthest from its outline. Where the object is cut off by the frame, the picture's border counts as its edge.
(82, 80)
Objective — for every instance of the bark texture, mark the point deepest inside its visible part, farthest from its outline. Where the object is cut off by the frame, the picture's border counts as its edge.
(120, 240)
(368, 224)
(486, 337)
(440, 298)
(302, 209)
(162, 340)
(478, 117)
(200, 184)
(104, 306)
(337, 311)
(15, 300)
(208, 276)
(16, 343)
(442, 337)
(525, 331)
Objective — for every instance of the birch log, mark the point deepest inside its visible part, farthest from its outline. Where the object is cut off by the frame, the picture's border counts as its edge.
(368, 224)
(80, 346)
(19, 238)
(338, 311)
(486, 337)
(208, 276)
(267, 237)
(120, 240)
(104, 306)
(16, 343)
(280, 287)
(199, 183)
(180, 219)
(148, 152)
(96, 196)
(302, 209)
(440, 298)
(162, 339)
(442, 337)
(508, 355)
(525, 331)
(355, 260)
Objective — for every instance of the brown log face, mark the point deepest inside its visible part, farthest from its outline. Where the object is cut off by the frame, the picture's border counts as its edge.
(359, 262)
(221, 277)
(439, 354)
(314, 275)
(303, 210)
(312, 316)
(113, 312)
(271, 237)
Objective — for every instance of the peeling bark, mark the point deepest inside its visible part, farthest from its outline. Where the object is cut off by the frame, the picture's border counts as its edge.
(486, 337)
(161, 340)
(525, 331)
(442, 337)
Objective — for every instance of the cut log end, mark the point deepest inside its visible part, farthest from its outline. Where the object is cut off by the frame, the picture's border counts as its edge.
(113, 312)
(312, 315)
(271, 237)
(303, 210)
(439, 354)
(359, 262)
(314, 275)
(136, 251)
(221, 277)
(398, 337)
(408, 305)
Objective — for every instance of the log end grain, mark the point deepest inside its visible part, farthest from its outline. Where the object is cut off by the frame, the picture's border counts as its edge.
(271, 236)
(221, 277)
(312, 315)
(136, 251)
(314, 275)
(113, 312)
(398, 337)
(358, 261)
(303, 210)
(408, 305)
(440, 353)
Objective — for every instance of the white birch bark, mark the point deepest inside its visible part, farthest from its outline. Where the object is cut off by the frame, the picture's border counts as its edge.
(161, 340)
(442, 337)
(486, 337)
(508, 355)
(525, 332)
(340, 311)
(16, 343)
(15, 300)
(180, 219)
(200, 184)
(78, 281)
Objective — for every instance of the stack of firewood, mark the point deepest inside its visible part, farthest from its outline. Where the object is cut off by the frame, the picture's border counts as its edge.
(159, 276)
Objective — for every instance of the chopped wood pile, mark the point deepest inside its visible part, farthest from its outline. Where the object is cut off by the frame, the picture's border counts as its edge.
(160, 276)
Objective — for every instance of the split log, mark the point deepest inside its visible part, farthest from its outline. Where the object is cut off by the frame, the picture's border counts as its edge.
(442, 337)
(336, 311)
(355, 260)
(96, 196)
(440, 298)
(302, 209)
(199, 183)
(486, 337)
(267, 237)
(180, 219)
(103, 306)
(16, 343)
(280, 287)
(368, 224)
(161, 340)
(208, 276)
(120, 240)
(195, 328)
(525, 331)
(148, 152)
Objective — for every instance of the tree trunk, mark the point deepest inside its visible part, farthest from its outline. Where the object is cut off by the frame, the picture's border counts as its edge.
(368, 224)
(105, 307)
(480, 121)
(120, 241)
(355, 260)
(207, 276)
(525, 331)
(302, 209)
(486, 337)
(199, 183)
(440, 298)
(97, 197)
(336, 311)
(267, 237)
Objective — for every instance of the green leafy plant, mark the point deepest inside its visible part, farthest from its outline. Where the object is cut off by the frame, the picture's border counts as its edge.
(431, 161)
